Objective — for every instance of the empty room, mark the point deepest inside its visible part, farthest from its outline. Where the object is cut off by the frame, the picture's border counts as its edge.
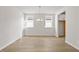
(39, 28)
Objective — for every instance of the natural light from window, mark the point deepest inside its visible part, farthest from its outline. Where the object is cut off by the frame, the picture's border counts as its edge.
(48, 24)
(29, 24)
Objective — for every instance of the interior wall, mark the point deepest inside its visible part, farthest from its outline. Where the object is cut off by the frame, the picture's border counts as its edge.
(56, 25)
(72, 34)
(61, 17)
(10, 25)
(39, 28)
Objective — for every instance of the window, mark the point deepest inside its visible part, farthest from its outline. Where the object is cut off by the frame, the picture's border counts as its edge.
(48, 21)
(28, 22)
(48, 24)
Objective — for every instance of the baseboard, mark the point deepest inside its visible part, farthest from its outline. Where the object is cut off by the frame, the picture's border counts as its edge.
(72, 45)
(39, 36)
(7, 44)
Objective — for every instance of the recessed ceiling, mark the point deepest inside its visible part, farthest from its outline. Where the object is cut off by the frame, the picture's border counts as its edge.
(43, 9)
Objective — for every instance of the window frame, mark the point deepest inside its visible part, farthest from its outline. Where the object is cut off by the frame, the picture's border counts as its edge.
(28, 19)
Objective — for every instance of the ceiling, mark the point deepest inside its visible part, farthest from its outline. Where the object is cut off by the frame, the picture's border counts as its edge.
(43, 9)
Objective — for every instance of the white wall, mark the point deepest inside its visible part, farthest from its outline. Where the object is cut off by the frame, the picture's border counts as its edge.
(39, 28)
(72, 34)
(10, 25)
(61, 17)
(43, 9)
(56, 25)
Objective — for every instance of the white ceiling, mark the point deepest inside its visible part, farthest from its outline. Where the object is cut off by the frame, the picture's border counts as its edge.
(43, 9)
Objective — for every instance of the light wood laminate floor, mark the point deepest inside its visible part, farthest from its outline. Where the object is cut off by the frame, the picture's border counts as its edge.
(40, 44)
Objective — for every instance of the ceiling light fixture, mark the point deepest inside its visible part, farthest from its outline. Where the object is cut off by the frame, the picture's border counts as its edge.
(39, 13)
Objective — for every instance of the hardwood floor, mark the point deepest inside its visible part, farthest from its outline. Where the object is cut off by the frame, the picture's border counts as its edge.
(40, 44)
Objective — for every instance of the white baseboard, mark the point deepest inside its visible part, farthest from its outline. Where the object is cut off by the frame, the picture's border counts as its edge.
(72, 45)
(7, 44)
(41, 35)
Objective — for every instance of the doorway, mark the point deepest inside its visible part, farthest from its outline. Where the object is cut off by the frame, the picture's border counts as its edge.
(61, 24)
(62, 28)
